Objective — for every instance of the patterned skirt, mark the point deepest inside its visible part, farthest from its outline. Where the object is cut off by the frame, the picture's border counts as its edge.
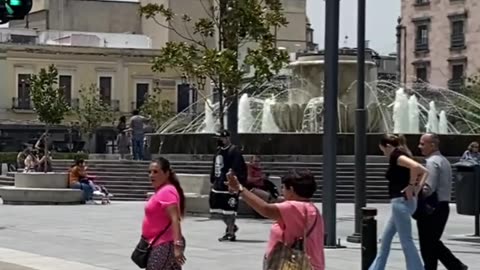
(162, 257)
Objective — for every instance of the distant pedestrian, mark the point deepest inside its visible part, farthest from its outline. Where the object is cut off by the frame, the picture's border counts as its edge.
(123, 144)
(222, 202)
(403, 175)
(472, 153)
(433, 208)
(137, 123)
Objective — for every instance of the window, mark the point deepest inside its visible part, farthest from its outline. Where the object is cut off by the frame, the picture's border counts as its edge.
(142, 92)
(183, 97)
(23, 92)
(422, 2)
(105, 83)
(457, 76)
(421, 37)
(457, 39)
(65, 83)
(421, 74)
(457, 71)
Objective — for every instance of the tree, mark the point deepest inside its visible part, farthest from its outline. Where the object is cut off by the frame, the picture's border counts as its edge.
(234, 24)
(468, 104)
(159, 110)
(48, 100)
(92, 112)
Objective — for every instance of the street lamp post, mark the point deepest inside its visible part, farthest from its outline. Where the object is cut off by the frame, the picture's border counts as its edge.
(201, 80)
(360, 126)
(332, 11)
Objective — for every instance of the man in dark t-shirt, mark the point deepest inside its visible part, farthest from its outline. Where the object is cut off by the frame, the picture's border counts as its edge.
(222, 202)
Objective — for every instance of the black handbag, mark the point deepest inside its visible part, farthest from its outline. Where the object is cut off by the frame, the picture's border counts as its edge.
(426, 205)
(142, 250)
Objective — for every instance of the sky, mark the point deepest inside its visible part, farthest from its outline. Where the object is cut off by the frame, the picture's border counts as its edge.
(380, 25)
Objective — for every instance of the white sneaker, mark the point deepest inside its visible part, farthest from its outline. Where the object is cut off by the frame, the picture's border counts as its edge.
(98, 193)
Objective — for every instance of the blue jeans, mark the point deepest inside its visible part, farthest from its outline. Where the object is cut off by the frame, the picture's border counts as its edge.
(137, 148)
(401, 222)
(86, 188)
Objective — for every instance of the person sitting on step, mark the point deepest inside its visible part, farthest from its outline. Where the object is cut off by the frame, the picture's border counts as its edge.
(77, 179)
(258, 182)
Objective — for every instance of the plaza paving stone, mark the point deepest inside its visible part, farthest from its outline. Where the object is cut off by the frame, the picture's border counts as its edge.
(102, 238)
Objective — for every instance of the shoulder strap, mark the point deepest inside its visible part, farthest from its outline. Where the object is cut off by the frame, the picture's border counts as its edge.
(314, 223)
(160, 234)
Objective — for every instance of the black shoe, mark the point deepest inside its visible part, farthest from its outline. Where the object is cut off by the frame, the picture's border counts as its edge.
(227, 237)
(235, 229)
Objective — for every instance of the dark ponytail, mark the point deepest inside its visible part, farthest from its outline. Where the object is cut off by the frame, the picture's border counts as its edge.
(173, 179)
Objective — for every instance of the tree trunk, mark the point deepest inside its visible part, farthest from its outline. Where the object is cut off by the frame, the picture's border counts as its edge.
(232, 118)
(89, 143)
(45, 149)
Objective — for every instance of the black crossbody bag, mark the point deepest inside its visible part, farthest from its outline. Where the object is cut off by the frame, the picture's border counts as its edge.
(142, 250)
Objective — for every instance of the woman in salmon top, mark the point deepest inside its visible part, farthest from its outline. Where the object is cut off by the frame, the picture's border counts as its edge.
(163, 213)
(293, 217)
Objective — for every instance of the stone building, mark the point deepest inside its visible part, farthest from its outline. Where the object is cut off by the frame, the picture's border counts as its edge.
(439, 41)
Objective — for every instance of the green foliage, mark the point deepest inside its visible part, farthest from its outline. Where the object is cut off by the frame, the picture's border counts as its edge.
(92, 112)
(48, 100)
(471, 89)
(159, 110)
(240, 23)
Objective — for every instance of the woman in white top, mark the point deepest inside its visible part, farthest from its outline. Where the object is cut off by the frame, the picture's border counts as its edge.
(31, 162)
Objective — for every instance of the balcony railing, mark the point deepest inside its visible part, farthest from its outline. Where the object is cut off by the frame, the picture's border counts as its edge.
(457, 41)
(22, 104)
(421, 45)
(456, 84)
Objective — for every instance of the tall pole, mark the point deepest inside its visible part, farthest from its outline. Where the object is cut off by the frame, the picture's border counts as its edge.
(399, 49)
(330, 125)
(360, 126)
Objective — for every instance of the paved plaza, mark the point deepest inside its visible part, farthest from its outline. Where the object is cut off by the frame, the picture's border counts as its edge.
(102, 238)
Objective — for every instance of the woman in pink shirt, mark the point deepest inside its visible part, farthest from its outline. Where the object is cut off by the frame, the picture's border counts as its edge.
(163, 213)
(293, 218)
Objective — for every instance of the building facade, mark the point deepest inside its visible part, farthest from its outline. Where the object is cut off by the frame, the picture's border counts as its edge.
(123, 76)
(439, 41)
(122, 16)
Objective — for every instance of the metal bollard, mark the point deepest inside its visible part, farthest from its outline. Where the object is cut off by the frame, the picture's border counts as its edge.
(369, 236)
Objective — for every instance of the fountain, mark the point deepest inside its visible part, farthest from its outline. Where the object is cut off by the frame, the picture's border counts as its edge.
(209, 122)
(285, 116)
(413, 115)
(443, 123)
(432, 124)
(245, 117)
(268, 122)
(400, 106)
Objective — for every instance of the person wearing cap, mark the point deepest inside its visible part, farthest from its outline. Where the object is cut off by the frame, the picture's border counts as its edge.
(222, 202)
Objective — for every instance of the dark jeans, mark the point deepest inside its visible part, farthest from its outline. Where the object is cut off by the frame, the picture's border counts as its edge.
(137, 148)
(86, 188)
(430, 230)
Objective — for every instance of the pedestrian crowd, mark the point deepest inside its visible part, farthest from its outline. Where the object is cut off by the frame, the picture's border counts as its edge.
(418, 193)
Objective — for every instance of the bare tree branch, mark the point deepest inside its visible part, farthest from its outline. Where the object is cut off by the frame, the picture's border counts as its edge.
(170, 27)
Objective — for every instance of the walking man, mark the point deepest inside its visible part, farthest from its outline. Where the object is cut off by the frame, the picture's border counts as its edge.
(138, 134)
(222, 202)
(433, 207)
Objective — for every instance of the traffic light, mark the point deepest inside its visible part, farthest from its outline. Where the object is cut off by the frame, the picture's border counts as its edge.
(14, 9)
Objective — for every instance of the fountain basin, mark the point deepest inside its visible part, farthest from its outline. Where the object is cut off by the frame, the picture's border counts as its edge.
(293, 143)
